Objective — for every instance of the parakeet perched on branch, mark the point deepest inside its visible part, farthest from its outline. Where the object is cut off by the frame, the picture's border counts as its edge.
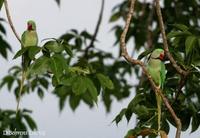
(156, 69)
(29, 38)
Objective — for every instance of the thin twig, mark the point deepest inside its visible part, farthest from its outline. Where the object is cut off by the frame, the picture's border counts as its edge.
(96, 29)
(10, 21)
(145, 71)
(18, 38)
(165, 43)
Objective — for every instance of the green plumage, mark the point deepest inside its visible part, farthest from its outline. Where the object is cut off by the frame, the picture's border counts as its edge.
(156, 69)
(29, 38)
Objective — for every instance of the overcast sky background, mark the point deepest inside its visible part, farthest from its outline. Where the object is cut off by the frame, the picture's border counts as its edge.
(52, 22)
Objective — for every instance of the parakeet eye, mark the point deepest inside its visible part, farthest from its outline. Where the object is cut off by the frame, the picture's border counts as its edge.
(162, 55)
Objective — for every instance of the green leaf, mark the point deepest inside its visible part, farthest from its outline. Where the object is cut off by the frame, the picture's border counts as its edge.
(54, 46)
(62, 103)
(165, 126)
(86, 35)
(9, 80)
(78, 42)
(4, 47)
(79, 86)
(105, 81)
(115, 17)
(79, 70)
(57, 65)
(136, 100)
(30, 122)
(44, 82)
(91, 89)
(67, 37)
(185, 118)
(2, 29)
(68, 49)
(190, 43)
(20, 52)
(40, 66)
(55, 81)
(87, 99)
(128, 114)
(40, 93)
(1, 3)
(74, 102)
(32, 51)
(140, 110)
(195, 122)
(177, 33)
(119, 117)
(181, 27)
(68, 80)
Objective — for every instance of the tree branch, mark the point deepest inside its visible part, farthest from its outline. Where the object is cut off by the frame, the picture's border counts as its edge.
(18, 38)
(165, 43)
(149, 28)
(10, 21)
(145, 71)
(96, 29)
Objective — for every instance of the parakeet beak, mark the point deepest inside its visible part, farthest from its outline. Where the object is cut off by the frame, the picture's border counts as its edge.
(162, 56)
(29, 27)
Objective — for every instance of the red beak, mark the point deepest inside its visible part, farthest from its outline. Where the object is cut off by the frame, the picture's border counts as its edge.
(162, 55)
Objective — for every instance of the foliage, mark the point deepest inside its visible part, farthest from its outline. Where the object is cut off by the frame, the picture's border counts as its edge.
(80, 72)
(5, 47)
(183, 35)
(95, 60)
(1, 3)
(10, 122)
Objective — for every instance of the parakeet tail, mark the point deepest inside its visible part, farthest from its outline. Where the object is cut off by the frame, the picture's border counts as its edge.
(158, 100)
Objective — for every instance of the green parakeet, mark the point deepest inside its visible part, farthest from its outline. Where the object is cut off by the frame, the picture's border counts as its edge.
(156, 69)
(29, 38)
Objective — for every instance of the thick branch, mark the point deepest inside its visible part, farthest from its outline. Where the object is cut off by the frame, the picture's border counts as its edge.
(10, 21)
(145, 71)
(165, 43)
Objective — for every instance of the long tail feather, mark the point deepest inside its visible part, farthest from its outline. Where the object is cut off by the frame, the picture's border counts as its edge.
(158, 100)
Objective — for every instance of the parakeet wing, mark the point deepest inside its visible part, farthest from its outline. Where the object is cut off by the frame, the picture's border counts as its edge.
(162, 74)
(23, 38)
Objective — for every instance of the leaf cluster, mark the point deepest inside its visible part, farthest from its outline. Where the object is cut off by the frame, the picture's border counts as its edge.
(4, 45)
(10, 122)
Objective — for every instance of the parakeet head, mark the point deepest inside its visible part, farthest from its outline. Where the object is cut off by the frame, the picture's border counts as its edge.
(158, 54)
(31, 26)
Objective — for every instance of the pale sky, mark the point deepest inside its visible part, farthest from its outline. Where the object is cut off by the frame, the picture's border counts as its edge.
(52, 22)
